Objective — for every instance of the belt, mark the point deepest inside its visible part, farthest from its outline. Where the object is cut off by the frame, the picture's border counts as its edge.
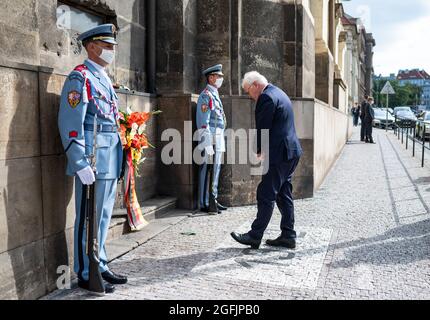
(217, 125)
(107, 128)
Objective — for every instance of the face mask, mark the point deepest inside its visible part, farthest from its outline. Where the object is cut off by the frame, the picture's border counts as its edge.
(219, 82)
(107, 55)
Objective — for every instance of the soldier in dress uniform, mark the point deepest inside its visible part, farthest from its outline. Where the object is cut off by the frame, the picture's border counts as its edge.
(211, 123)
(87, 95)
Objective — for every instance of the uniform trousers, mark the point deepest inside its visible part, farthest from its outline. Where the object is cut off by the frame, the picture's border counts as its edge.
(209, 178)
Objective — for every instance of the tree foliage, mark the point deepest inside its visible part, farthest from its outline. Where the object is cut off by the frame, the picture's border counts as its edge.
(407, 95)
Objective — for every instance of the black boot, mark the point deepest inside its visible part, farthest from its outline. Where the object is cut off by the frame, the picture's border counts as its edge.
(213, 208)
(204, 209)
(114, 278)
(221, 207)
(84, 284)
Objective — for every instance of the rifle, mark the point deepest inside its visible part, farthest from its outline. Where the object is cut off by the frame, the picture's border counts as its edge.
(96, 284)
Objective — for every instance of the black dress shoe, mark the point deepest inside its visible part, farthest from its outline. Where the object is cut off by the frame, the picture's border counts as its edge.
(246, 240)
(213, 206)
(210, 211)
(83, 284)
(282, 242)
(113, 278)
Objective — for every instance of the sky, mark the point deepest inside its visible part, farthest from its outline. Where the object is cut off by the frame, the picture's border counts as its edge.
(401, 29)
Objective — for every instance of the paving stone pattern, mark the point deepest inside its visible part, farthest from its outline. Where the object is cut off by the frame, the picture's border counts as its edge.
(365, 235)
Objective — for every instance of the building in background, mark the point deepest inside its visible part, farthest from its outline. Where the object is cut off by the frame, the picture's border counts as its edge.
(419, 78)
(359, 59)
(425, 97)
(415, 77)
(391, 77)
(301, 46)
(370, 72)
(352, 62)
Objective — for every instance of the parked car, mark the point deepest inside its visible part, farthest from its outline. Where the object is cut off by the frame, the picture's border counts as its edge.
(398, 109)
(390, 110)
(419, 110)
(382, 120)
(405, 118)
(420, 127)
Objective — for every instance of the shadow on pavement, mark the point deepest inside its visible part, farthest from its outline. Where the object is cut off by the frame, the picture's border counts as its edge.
(402, 245)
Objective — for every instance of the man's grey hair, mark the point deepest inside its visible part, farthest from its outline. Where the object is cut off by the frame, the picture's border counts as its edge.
(254, 76)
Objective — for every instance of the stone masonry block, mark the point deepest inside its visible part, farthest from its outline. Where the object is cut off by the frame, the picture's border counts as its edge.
(21, 219)
(19, 136)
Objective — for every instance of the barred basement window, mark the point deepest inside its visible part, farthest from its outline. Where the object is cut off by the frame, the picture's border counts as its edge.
(76, 18)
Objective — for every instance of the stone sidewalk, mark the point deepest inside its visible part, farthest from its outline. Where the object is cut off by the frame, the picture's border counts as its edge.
(365, 235)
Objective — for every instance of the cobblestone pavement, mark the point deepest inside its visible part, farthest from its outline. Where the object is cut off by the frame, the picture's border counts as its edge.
(365, 235)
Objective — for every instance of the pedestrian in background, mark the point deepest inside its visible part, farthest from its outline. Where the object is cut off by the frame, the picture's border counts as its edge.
(369, 116)
(355, 114)
(362, 115)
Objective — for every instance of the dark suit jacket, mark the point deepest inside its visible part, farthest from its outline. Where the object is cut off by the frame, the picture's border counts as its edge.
(355, 111)
(274, 111)
(369, 113)
(363, 110)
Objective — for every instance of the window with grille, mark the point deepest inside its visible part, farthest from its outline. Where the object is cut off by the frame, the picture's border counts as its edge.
(77, 18)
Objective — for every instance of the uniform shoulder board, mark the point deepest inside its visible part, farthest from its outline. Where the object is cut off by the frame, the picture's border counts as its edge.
(78, 73)
(81, 68)
(76, 76)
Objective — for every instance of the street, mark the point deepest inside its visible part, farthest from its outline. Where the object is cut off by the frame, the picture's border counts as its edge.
(365, 235)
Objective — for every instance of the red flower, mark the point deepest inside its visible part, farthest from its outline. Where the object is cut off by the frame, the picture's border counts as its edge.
(139, 118)
(135, 143)
(143, 141)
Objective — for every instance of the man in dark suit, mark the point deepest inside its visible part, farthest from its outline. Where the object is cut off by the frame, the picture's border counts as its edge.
(273, 112)
(362, 115)
(369, 116)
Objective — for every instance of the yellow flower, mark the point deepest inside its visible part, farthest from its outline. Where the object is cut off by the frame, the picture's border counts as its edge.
(137, 155)
(128, 140)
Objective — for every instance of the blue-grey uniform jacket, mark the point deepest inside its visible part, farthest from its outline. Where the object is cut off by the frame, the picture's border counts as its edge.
(210, 116)
(86, 92)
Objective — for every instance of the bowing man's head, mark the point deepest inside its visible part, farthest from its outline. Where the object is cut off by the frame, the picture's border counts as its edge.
(254, 84)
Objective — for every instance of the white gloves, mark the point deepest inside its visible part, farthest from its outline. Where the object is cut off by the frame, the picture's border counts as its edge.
(205, 138)
(210, 150)
(87, 176)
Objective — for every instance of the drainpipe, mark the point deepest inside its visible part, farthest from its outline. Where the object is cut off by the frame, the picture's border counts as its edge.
(151, 49)
(296, 52)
